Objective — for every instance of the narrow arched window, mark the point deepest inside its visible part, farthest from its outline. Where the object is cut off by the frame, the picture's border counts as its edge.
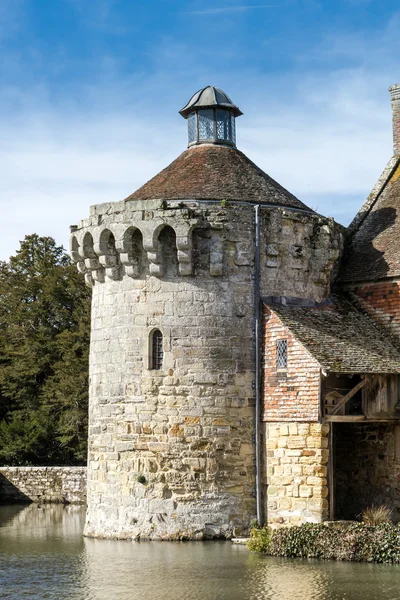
(157, 353)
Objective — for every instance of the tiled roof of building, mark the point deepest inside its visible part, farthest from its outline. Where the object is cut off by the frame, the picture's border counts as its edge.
(374, 250)
(212, 172)
(340, 337)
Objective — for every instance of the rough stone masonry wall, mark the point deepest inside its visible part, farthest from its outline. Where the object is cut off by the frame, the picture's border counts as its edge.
(382, 301)
(171, 452)
(299, 254)
(292, 394)
(187, 428)
(296, 486)
(43, 485)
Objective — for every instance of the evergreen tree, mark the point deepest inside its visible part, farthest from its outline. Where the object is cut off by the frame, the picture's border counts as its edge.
(44, 344)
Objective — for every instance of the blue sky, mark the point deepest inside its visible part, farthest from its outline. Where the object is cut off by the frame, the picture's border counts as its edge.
(90, 89)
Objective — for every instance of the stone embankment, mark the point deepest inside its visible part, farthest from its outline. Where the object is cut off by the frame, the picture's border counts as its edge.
(43, 485)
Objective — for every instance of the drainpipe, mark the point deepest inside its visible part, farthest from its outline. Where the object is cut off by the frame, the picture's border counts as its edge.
(257, 329)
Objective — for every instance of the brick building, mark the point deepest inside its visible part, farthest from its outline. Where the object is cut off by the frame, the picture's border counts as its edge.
(244, 352)
(342, 372)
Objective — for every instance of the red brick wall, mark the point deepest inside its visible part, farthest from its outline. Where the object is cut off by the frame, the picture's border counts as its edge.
(294, 397)
(382, 301)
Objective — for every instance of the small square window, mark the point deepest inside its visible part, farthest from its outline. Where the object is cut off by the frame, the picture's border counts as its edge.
(281, 354)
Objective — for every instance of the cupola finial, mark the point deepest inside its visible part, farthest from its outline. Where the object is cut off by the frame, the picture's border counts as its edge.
(211, 117)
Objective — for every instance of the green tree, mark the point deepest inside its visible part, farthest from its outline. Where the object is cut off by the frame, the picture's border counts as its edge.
(44, 344)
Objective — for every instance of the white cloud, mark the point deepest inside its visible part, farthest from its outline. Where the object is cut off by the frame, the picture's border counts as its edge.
(331, 142)
(53, 167)
(231, 9)
(323, 134)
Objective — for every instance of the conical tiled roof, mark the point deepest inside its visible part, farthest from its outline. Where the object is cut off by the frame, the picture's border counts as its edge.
(212, 172)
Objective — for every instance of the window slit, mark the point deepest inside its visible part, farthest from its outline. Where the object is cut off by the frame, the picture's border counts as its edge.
(157, 353)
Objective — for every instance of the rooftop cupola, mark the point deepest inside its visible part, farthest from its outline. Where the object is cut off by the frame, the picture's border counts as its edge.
(211, 117)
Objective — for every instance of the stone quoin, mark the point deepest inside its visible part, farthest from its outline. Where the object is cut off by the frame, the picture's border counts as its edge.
(183, 442)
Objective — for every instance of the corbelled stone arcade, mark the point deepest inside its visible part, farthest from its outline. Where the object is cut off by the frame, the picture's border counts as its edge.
(172, 361)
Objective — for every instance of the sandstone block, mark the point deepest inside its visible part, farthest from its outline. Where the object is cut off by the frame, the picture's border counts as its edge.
(305, 491)
(299, 504)
(316, 481)
(318, 504)
(287, 480)
(320, 471)
(303, 428)
(320, 492)
(293, 453)
(296, 442)
(176, 431)
(273, 431)
(285, 503)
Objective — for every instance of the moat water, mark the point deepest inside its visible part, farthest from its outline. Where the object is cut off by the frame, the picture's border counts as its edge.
(44, 556)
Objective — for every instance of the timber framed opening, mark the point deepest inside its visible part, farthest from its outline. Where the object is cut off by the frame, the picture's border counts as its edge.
(364, 468)
(343, 397)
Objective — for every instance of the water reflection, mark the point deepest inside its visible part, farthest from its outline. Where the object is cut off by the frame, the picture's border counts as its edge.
(43, 555)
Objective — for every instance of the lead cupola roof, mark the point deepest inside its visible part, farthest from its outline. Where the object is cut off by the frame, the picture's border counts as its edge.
(209, 97)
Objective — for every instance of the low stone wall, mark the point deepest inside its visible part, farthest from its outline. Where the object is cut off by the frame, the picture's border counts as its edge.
(43, 485)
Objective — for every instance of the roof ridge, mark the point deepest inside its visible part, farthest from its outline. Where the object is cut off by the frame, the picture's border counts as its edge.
(373, 196)
(371, 249)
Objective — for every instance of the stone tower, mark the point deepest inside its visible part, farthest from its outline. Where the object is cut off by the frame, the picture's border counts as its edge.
(173, 438)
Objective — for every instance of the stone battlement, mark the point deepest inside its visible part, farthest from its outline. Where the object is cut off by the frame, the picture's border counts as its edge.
(137, 240)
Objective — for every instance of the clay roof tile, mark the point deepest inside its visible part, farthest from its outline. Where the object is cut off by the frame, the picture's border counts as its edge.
(374, 250)
(212, 172)
(340, 337)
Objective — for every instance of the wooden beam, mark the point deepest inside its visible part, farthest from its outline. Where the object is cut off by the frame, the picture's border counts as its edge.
(348, 396)
(345, 418)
